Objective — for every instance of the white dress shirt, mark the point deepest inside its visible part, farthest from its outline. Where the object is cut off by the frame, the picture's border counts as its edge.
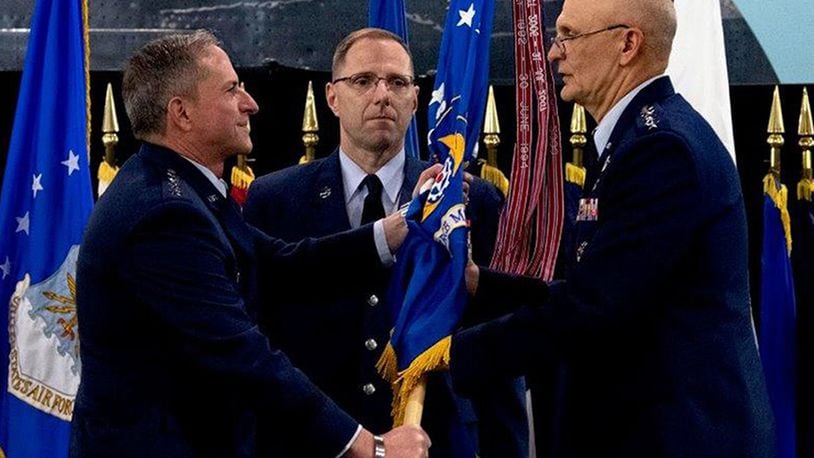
(391, 175)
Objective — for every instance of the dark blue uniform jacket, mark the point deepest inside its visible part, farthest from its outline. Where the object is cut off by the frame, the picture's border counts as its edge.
(173, 362)
(652, 328)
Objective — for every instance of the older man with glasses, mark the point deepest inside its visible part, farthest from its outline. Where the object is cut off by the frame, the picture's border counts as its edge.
(651, 329)
(337, 340)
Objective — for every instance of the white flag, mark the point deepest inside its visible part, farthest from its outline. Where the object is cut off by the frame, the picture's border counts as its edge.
(698, 65)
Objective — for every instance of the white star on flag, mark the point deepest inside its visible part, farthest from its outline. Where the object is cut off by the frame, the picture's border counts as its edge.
(467, 16)
(22, 224)
(72, 162)
(438, 95)
(35, 185)
(6, 268)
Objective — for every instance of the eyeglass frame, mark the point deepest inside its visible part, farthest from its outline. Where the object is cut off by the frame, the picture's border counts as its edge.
(410, 80)
(560, 41)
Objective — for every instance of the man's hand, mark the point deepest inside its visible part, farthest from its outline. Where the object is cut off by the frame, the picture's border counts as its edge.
(407, 441)
(395, 230)
(426, 178)
(402, 442)
(471, 275)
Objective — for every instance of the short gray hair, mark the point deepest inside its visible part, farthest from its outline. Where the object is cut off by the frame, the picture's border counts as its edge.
(160, 70)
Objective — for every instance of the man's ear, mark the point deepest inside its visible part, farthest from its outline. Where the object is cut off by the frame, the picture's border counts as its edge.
(178, 114)
(632, 45)
(330, 96)
(415, 99)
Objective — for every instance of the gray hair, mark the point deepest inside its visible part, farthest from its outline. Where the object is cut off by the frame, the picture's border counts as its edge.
(162, 69)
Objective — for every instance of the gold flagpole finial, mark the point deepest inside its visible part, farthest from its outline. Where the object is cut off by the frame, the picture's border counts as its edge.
(110, 138)
(578, 139)
(574, 170)
(489, 170)
(110, 126)
(775, 130)
(310, 126)
(806, 126)
(578, 124)
(491, 129)
(805, 130)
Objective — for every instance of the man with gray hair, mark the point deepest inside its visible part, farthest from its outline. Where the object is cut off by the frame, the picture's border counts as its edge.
(651, 330)
(173, 363)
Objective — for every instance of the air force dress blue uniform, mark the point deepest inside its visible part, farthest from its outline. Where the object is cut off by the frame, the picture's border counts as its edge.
(652, 329)
(337, 341)
(173, 362)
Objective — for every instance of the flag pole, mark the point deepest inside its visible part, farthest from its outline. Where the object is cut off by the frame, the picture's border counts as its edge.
(415, 403)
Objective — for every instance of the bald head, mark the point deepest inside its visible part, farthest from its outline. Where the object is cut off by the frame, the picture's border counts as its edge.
(655, 18)
(608, 47)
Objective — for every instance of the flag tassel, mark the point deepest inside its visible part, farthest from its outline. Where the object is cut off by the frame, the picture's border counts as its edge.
(805, 189)
(575, 174)
(779, 195)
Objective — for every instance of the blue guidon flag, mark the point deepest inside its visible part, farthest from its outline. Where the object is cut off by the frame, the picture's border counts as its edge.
(427, 290)
(778, 328)
(45, 202)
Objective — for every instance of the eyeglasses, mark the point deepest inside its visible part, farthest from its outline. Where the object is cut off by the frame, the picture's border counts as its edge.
(560, 41)
(366, 81)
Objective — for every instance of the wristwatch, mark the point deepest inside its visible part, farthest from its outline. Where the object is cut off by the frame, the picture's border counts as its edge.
(378, 447)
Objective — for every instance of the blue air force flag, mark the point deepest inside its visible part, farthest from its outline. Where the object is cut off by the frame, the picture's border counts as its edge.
(46, 200)
(427, 289)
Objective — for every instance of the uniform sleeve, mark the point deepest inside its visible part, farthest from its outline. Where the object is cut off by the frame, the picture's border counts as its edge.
(177, 265)
(649, 212)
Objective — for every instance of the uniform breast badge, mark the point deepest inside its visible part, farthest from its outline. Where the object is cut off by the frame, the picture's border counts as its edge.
(588, 209)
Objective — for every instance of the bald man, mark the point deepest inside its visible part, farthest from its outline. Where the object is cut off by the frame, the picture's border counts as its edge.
(651, 330)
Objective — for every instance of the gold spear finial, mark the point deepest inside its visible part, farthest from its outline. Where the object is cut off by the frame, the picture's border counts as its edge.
(110, 138)
(491, 129)
(578, 139)
(310, 126)
(805, 130)
(110, 126)
(489, 170)
(775, 130)
(806, 126)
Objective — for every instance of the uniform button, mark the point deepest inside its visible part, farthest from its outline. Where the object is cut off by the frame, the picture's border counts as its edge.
(372, 300)
(369, 389)
(371, 344)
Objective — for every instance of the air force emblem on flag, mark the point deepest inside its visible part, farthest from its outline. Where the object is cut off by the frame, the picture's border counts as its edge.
(44, 361)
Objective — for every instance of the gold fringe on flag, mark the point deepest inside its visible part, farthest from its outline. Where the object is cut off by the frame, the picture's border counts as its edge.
(387, 366)
(435, 358)
(493, 175)
(780, 196)
(241, 178)
(106, 174)
(574, 174)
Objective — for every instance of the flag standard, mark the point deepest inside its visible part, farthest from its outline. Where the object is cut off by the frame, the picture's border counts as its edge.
(778, 343)
(427, 290)
(45, 202)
